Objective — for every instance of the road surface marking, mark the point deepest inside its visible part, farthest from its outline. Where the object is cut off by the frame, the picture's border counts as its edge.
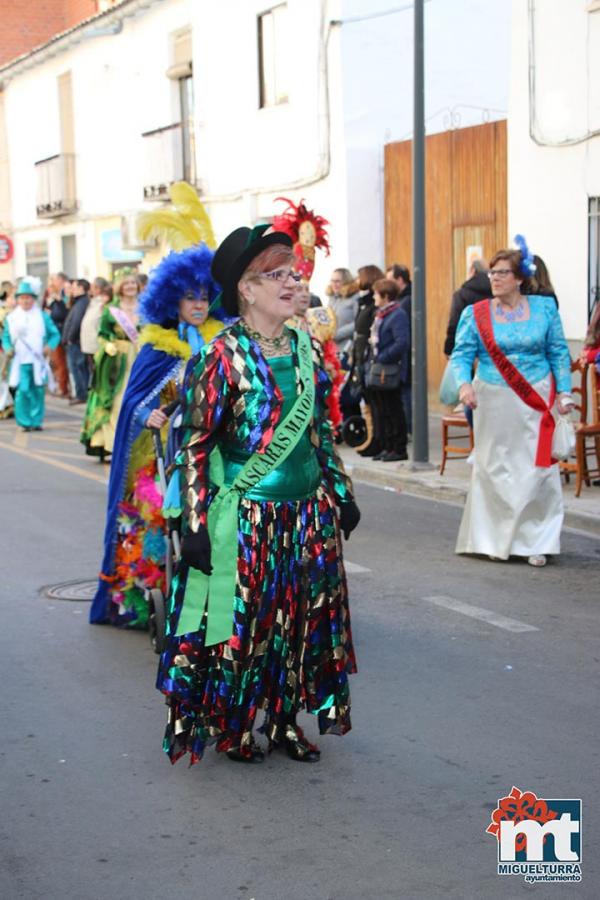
(60, 453)
(57, 440)
(40, 457)
(20, 439)
(477, 612)
(71, 413)
(354, 568)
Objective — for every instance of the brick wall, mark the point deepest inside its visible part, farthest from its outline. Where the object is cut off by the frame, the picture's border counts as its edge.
(29, 23)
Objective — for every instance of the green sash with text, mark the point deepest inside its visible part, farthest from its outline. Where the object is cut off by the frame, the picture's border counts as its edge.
(215, 593)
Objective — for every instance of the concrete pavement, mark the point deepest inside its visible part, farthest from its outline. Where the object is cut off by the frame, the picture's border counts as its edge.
(473, 677)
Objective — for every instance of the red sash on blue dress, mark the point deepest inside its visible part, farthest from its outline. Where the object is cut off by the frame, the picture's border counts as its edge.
(519, 384)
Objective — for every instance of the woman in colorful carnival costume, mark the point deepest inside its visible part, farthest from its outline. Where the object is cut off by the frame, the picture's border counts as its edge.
(261, 534)
(118, 339)
(175, 308)
(28, 336)
(515, 504)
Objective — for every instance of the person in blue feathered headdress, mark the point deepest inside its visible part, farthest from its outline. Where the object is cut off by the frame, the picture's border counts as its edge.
(180, 312)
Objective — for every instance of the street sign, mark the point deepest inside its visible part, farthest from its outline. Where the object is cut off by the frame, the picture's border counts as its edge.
(6, 249)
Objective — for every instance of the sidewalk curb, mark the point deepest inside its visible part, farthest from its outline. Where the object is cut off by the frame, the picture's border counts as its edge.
(421, 486)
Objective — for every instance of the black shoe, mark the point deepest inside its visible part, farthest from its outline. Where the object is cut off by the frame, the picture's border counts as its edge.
(26, 428)
(393, 456)
(379, 456)
(253, 753)
(297, 746)
(371, 450)
(37, 428)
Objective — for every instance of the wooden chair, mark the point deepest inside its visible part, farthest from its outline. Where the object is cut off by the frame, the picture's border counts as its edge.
(569, 467)
(451, 450)
(585, 432)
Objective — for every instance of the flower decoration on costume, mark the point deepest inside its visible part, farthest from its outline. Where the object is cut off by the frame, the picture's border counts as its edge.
(179, 273)
(307, 230)
(527, 265)
(518, 807)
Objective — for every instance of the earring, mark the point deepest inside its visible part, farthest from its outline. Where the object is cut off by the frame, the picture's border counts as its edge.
(250, 301)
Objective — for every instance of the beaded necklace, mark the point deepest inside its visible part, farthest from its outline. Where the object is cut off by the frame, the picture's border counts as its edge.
(271, 346)
(511, 315)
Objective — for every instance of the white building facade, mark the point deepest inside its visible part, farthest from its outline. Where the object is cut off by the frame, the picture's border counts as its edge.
(247, 99)
(554, 146)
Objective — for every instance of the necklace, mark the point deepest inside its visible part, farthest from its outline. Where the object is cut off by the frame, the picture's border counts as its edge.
(511, 315)
(270, 346)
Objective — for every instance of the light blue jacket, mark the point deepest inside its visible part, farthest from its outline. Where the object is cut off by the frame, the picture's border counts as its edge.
(536, 346)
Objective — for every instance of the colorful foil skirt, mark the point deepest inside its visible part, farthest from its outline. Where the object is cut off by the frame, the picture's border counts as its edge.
(291, 647)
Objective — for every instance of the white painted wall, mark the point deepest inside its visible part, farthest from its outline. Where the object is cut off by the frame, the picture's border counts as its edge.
(549, 186)
(247, 156)
(119, 91)
(467, 49)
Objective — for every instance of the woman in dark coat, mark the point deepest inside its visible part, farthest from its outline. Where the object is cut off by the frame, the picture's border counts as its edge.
(389, 344)
(355, 386)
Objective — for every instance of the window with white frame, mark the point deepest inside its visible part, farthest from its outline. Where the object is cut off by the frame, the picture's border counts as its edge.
(594, 254)
(273, 56)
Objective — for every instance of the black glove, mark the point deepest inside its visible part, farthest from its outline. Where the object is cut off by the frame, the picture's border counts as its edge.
(195, 550)
(349, 517)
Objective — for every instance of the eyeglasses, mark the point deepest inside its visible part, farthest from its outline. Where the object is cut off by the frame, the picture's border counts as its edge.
(499, 273)
(280, 276)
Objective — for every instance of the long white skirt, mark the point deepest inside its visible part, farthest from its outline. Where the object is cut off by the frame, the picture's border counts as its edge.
(514, 507)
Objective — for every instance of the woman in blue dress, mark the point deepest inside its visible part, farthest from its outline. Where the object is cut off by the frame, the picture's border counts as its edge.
(175, 311)
(515, 504)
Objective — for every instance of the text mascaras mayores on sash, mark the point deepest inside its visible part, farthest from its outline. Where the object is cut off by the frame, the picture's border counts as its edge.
(277, 446)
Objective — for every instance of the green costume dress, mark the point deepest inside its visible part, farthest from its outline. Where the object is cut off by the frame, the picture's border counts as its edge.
(112, 365)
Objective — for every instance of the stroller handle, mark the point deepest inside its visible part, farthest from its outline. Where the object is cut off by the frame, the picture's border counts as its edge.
(156, 438)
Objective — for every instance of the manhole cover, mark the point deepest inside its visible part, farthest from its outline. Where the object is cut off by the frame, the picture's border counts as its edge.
(71, 590)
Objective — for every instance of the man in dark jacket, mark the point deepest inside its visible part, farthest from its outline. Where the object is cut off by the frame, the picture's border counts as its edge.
(78, 366)
(475, 288)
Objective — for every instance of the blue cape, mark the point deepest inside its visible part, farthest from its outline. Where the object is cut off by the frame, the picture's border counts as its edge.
(151, 371)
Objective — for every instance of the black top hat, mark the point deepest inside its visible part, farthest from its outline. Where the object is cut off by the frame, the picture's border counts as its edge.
(234, 255)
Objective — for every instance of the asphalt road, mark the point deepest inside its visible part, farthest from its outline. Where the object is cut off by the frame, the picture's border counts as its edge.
(452, 706)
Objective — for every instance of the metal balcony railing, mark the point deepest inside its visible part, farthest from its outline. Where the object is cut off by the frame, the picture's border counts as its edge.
(56, 194)
(170, 157)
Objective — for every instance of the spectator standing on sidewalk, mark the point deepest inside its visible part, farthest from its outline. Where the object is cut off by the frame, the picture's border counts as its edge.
(71, 339)
(367, 276)
(56, 303)
(101, 293)
(389, 346)
(476, 287)
(343, 300)
(540, 282)
(401, 275)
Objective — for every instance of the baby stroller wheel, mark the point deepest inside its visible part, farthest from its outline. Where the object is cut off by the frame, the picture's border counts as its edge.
(354, 431)
(156, 620)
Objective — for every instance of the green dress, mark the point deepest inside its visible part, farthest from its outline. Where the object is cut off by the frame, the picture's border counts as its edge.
(299, 475)
(112, 365)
